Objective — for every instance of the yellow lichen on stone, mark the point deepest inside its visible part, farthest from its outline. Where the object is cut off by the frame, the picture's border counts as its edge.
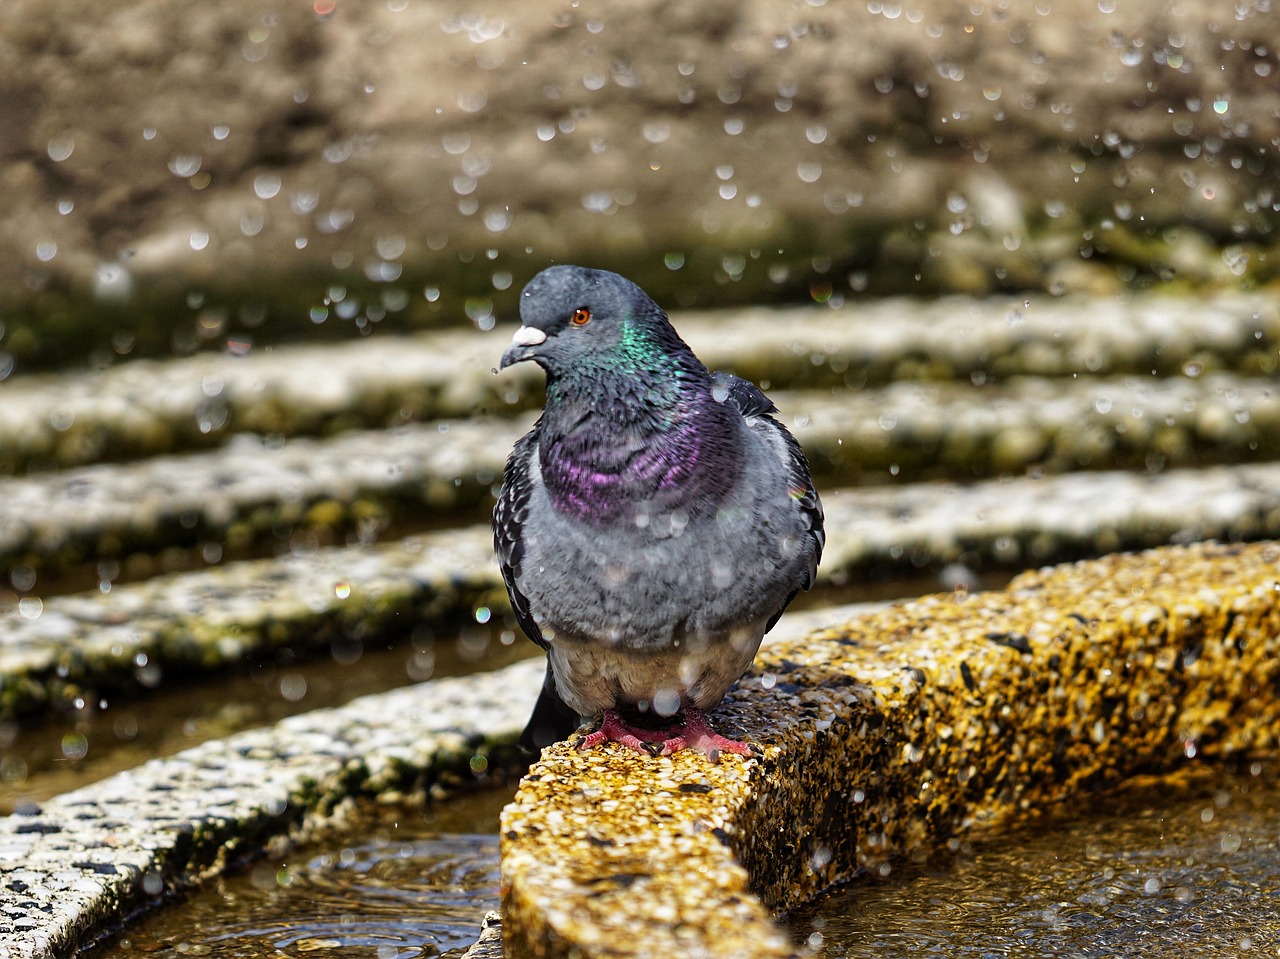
(883, 736)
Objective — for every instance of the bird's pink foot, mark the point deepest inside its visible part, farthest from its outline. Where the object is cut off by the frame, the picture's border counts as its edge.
(653, 742)
(694, 732)
(698, 734)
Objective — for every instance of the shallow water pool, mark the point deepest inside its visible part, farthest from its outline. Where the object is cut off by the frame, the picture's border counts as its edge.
(407, 883)
(1187, 865)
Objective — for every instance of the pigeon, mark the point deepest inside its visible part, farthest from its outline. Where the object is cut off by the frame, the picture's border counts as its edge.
(651, 527)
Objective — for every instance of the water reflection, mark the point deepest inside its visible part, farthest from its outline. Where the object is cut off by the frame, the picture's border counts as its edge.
(1164, 868)
(414, 883)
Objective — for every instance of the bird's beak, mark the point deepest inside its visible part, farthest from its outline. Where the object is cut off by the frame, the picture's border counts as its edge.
(522, 345)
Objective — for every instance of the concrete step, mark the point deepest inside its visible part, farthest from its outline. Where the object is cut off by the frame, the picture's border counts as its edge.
(260, 495)
(59, 649)
(151, 407)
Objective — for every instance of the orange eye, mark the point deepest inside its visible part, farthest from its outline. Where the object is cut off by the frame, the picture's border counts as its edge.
(581, 316)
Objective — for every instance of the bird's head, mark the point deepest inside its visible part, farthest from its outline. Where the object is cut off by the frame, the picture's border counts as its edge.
(571, 315)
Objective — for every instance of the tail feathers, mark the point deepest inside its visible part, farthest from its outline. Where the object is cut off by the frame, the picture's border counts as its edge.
(552, 719)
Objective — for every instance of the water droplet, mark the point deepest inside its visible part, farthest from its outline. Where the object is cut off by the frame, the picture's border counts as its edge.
(198, 240)
(75, 746)
(46, 251)
(341, 589)
(338, 152)
(816, 133)
(497, 219)
(185, 164)
(733, 126)
(479, 310)
(456, 144)
(293, 687)
(1220, 104)
(266, 185)
(390, 247)
(334, 220)
(673, 261)
(654, 131)
(60, 148)
(809, 172)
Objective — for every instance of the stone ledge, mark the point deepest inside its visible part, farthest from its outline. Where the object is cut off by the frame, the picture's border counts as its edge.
(255, 494)
(153, 407)
(884, 736)
(89, 644)
(84, 861)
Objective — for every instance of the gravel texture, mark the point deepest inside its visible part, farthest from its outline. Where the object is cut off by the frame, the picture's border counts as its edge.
(886, 735)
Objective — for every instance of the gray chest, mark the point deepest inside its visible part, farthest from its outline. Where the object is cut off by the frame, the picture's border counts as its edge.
(667, 576)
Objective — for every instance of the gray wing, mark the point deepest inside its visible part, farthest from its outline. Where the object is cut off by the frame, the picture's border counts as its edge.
(509, 515)
(752, 402)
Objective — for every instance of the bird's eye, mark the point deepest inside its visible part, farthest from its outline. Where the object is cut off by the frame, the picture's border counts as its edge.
(581, 316)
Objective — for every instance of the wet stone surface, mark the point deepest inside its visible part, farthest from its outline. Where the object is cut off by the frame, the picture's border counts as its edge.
(1170, 866)
(254, 494)
(150, 408)
(883, 737)
(55, 651)
(74, 866)
(398, 882)
(61, 649)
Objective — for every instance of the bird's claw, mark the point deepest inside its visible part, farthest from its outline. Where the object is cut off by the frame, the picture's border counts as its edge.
(694, 732)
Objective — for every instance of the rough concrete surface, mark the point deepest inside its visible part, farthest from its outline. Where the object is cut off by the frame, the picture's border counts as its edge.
(259, 494)
(77, 865)
(150, 407)
(883, 736)
(81, 646)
